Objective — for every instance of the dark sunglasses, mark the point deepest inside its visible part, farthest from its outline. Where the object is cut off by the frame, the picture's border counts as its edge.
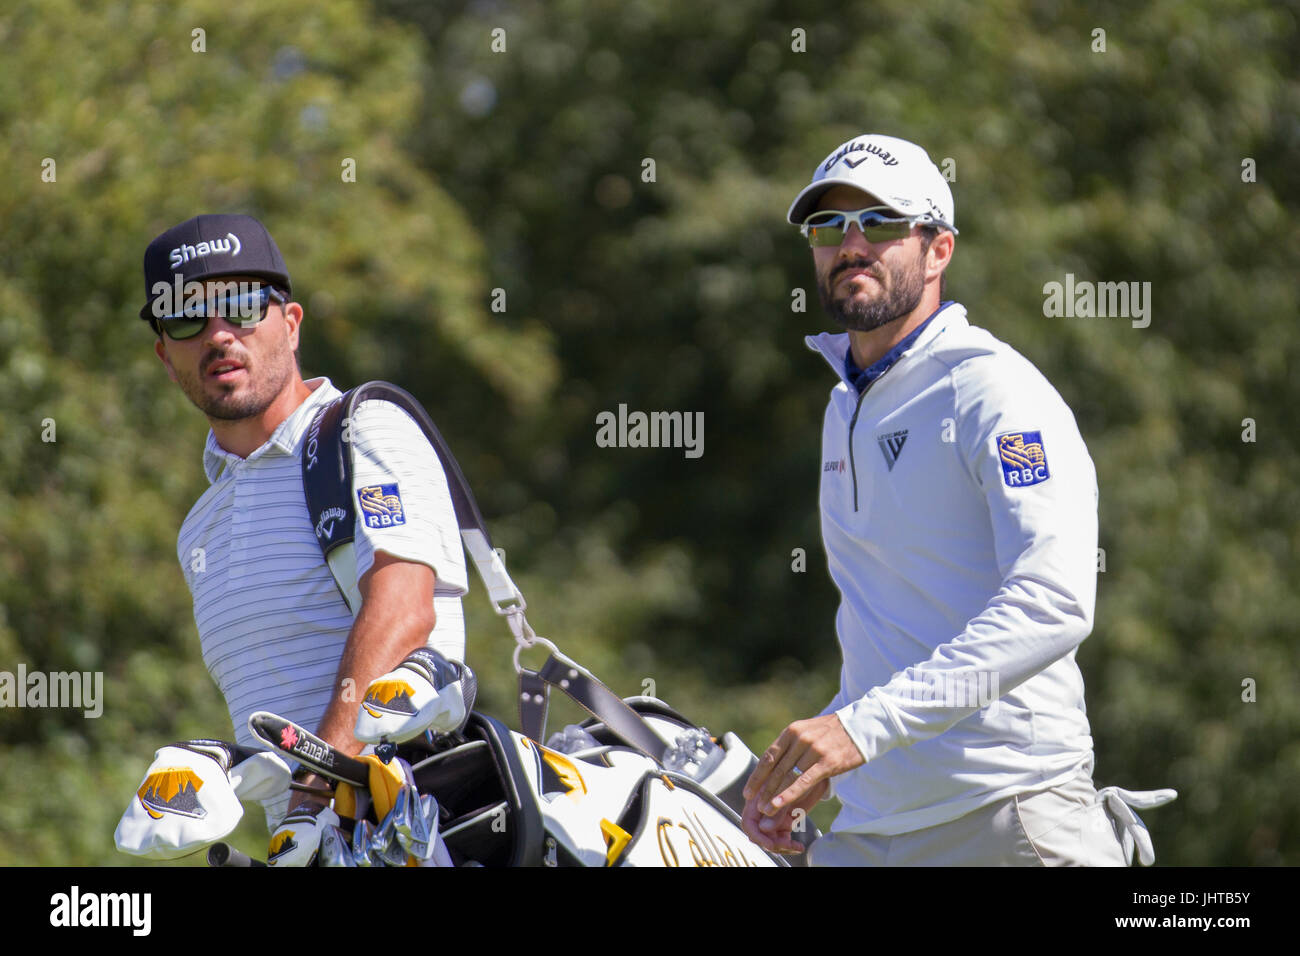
(245, 309)
(828, 227)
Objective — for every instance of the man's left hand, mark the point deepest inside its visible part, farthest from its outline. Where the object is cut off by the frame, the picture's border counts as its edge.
(807, 753)
(777, 833)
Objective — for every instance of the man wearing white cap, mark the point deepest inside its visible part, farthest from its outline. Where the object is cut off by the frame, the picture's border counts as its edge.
(959, 515)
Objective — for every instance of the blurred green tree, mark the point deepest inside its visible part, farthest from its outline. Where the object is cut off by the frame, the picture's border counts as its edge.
(508, 254)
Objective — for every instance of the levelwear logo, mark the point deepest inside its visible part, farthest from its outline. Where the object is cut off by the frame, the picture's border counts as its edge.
(891, 446)
(183, 254)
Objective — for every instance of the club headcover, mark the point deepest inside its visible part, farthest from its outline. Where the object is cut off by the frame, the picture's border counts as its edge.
(185, 802)
(298, 837)
(424, 692)
(262, 776)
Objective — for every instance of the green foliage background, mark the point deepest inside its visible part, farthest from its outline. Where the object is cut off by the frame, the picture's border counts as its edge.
(521, 170)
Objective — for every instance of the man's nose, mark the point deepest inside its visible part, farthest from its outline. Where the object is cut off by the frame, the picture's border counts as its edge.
(854, 245)
(221, 330)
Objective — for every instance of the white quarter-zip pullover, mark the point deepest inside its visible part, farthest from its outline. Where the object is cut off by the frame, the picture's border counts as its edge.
(959, 516)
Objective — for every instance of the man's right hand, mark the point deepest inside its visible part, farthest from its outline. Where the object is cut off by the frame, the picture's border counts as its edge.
(297, 797)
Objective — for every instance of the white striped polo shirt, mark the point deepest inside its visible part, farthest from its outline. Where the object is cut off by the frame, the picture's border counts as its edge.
(272, 623)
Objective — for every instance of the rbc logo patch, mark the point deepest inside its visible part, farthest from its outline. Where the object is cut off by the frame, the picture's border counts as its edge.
(1024, 462)
(381, 506)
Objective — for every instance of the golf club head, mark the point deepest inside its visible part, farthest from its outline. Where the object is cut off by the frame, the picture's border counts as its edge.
(334, 850)
(362, 835)
(385, 848)
(413, 824)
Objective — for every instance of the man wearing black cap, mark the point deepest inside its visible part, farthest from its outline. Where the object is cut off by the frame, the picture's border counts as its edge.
(276, 632)
(248, 383)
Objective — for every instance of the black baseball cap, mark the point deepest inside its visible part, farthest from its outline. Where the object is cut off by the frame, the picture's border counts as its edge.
(207, 247)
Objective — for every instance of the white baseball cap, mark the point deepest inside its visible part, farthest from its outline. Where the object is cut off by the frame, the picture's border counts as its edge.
(898, 173)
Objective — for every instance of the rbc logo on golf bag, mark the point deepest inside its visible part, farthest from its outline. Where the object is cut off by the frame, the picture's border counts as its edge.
(1024, 462)
(381, 505)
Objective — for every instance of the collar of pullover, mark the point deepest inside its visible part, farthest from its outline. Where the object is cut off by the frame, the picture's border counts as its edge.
(834, 347)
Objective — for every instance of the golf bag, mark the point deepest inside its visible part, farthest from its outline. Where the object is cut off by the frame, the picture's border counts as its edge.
(505, 798)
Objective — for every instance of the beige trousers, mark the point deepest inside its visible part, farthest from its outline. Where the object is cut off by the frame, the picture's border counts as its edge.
(1061, 826)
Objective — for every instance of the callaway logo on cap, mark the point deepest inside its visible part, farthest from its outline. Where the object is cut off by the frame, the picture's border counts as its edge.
(207, 247)
(898, 173)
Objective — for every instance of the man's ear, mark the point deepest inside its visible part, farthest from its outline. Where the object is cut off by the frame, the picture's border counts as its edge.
(293, 318)
(161, 351)
(939, 254)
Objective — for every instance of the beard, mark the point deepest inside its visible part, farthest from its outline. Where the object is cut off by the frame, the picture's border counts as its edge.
(263, 382)
(900, 294)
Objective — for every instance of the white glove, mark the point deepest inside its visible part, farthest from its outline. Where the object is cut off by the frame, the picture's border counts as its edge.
(263, 776)
(190, 797)
(1131, 830)
(298, 837)
(424, 692)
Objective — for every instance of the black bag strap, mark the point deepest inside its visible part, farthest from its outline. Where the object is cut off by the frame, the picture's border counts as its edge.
(603, 704)
(327, 485)
(534, 699)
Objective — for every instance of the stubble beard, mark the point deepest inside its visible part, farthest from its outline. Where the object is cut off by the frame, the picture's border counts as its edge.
(263, 383)
(900, 296)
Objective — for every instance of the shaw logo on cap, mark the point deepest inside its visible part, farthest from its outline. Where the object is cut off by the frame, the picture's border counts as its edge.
(183, 254)
(1024, 462)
